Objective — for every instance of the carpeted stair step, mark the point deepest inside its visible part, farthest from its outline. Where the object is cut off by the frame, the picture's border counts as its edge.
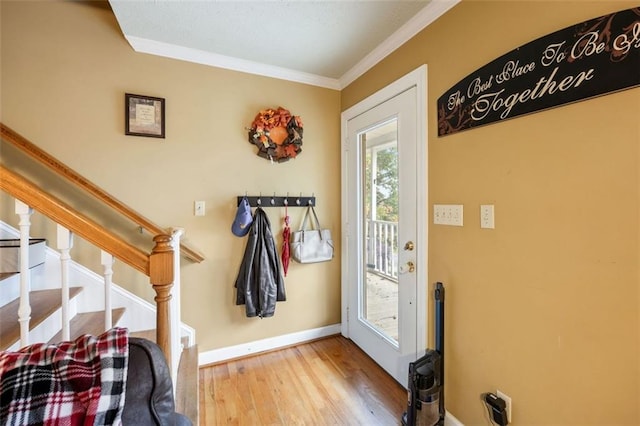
(43, 304)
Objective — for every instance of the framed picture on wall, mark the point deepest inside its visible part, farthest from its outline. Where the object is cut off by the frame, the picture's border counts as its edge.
(144, 116)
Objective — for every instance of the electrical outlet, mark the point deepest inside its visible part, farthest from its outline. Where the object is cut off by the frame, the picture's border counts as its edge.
(198, 208)
(487, 218)
(507, 400)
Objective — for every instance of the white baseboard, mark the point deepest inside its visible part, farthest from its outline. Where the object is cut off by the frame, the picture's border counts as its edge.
(251, 348)
(450, 420)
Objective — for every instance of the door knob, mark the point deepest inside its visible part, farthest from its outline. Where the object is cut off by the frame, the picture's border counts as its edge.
(409, 246)
(408, 267)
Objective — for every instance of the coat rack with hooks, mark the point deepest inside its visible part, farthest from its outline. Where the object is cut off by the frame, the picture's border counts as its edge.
(278, 201)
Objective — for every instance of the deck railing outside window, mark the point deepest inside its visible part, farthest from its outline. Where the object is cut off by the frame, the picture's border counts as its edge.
(382, 256)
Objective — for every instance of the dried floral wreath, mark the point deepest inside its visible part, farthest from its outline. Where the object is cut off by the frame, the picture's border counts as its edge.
(277, 134)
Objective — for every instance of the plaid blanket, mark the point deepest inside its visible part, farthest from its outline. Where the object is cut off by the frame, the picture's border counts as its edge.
(72, 383)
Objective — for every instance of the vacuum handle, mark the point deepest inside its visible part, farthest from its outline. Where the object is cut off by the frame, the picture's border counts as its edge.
(439, 298)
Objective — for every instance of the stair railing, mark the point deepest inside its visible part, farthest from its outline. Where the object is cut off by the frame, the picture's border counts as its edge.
(158, 265)
(34, 152)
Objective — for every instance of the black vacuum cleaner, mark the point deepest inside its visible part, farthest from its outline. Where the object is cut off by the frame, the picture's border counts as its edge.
(425, 406)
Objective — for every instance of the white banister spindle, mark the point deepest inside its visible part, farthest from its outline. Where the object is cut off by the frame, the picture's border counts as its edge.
(106, 259)
(174, 303)
(65, 243)
(394, 258)
(375, 244)
(24, 309)
(387, 252)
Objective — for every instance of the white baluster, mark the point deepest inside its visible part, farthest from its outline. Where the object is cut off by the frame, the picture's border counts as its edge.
(174, 303)
(24, 310)
(65, 243)
(107, 264)
(395, 250)
(387, 268)
(385, 261)
(376, 241)
(370, 244)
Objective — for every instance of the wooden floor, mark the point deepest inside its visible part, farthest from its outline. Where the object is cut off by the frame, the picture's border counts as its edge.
(326, 382)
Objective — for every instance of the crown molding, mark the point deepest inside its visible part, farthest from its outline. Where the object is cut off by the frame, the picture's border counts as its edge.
(197, 56)
(422, 19)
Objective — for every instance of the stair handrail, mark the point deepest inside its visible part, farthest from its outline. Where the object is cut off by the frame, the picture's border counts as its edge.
(157, 265)
(46, 159)
(60, 212)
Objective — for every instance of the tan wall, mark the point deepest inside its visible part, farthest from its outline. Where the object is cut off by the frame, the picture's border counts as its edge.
(546, 306)
(65, 69)
(558, 277)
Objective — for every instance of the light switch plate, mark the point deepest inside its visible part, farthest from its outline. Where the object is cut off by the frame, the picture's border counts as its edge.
(448, 214)
(198, 208)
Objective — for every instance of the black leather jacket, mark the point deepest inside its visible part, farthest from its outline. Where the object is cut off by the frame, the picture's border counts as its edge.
(260, 283)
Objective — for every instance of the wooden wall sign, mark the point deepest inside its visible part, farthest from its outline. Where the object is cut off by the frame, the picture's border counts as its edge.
(589, 59)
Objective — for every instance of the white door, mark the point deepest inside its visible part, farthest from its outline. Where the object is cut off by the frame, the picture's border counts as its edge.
(384, 206)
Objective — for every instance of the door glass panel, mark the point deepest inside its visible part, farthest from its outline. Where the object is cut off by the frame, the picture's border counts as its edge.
(379, 289)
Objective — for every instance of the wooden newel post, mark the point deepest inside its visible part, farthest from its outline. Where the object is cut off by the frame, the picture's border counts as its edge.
(161, 277)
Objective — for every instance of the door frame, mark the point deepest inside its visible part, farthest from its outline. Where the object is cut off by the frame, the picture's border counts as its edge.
(418, 79)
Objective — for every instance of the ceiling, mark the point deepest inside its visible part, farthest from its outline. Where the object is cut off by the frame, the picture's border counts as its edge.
(323, 43)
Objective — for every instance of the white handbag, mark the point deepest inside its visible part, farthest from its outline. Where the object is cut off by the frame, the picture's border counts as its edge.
(311, 245)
